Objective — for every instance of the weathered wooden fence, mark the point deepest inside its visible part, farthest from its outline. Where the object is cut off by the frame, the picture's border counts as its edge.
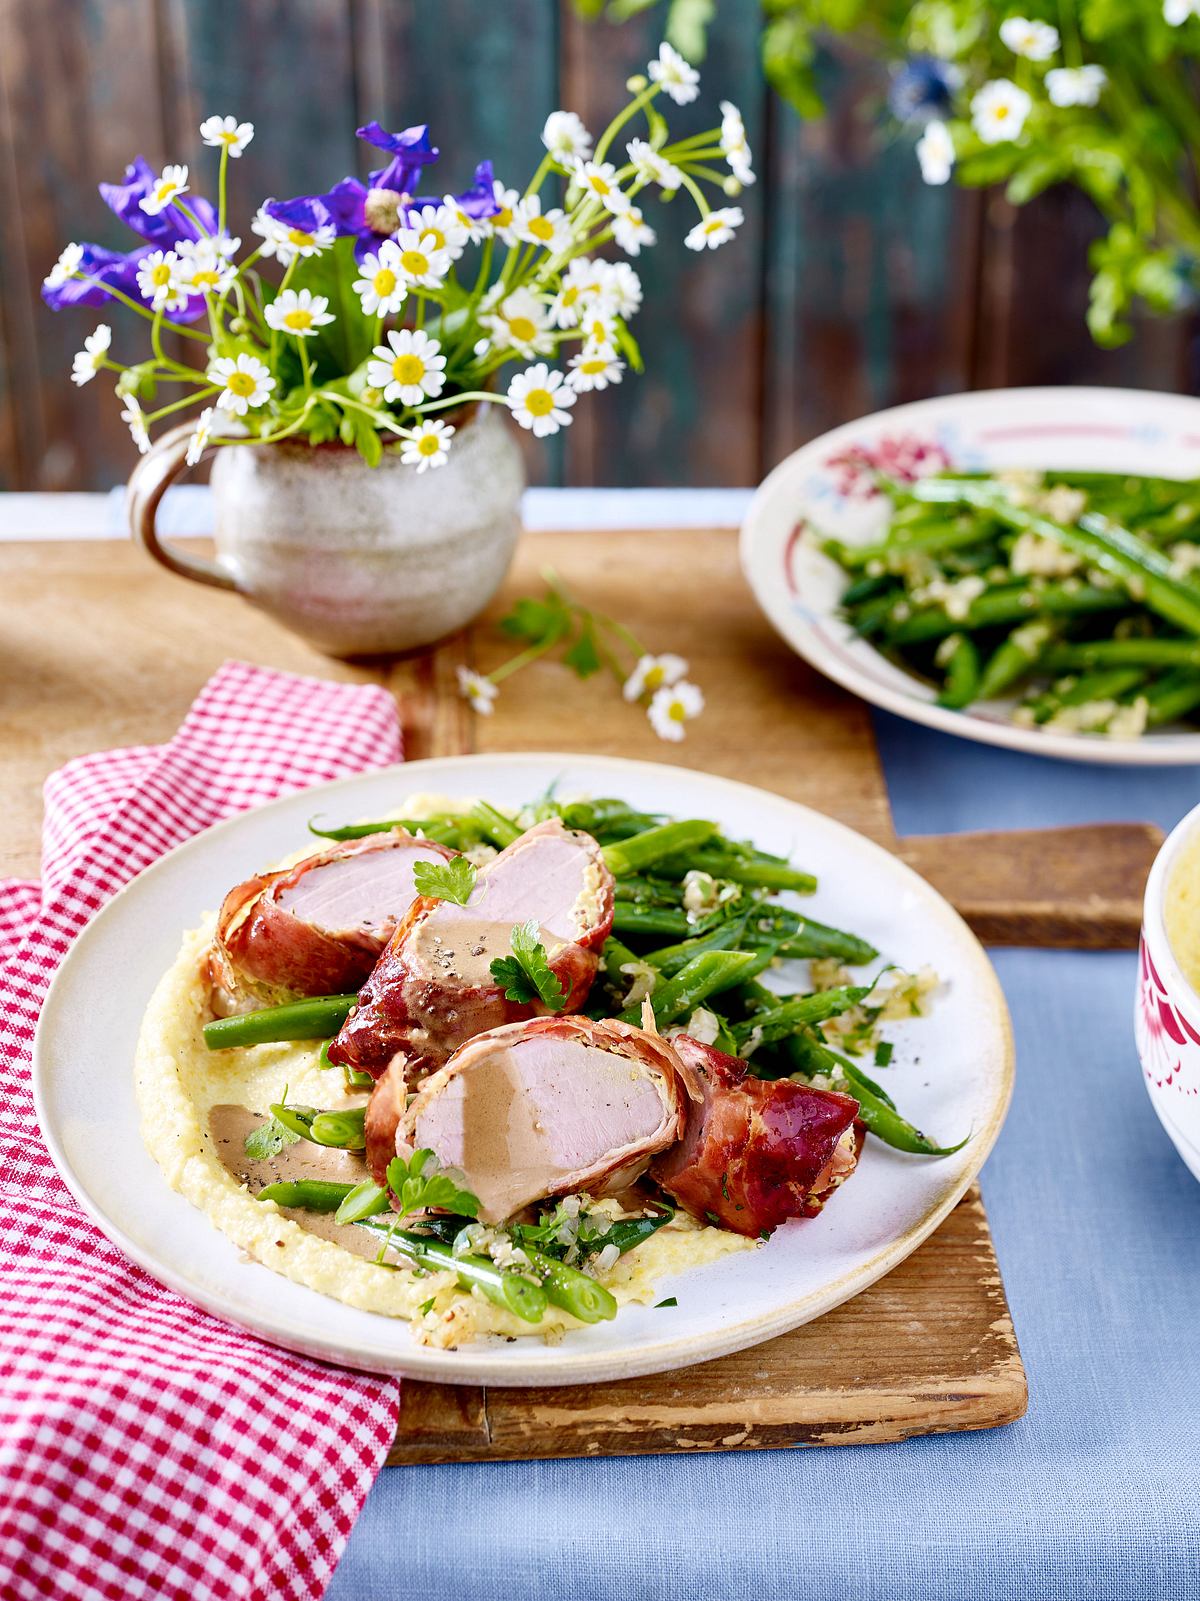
(852, 285)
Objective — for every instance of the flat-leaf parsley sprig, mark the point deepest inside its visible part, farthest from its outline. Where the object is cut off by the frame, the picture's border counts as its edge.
(445, 881)
(590, 642)
(526, 975)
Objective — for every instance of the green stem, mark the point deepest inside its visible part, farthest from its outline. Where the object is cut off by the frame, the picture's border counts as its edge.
(221, 188)
(184, 400)
(622, 117)
(119, 294)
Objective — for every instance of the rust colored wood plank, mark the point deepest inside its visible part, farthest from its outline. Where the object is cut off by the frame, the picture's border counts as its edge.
(929, 1349)
(1076, 887)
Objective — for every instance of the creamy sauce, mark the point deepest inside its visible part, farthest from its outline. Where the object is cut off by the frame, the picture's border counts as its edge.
(1181, 909)
(518, 1121)
(459, 946)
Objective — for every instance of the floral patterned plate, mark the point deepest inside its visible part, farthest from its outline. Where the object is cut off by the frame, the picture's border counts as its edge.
(827, 487)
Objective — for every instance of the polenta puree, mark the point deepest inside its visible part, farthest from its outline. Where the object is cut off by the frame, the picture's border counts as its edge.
(1181, 910)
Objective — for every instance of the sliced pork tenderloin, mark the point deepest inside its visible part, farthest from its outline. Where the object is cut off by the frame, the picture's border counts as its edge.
(756, 1151)
(316, 928)
(546, 1107)
(432, 989)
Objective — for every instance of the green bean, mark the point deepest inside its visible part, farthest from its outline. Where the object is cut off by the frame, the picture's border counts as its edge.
(961, 662)
(726, 936)
(1108, 683)
(756, 871)
(577, 1293)
(363, 1200)
(614, 957)
(314, 1195)
(705, 975)
(653, 844)
(876, 1109)
(627, 1233)
(1174, 696)
(343, 1130)
(1141, 567)
(815, 939)
(647, 891)
(651, 921)
(1009, 603)
(497, 828)
(928, 537)
(780, 1021)
(509, 1291)
(608, 819)
(1013, 659)
(1124, 653)
(868, 588)
(811, 1056)
(444, 830)
(312, 1019)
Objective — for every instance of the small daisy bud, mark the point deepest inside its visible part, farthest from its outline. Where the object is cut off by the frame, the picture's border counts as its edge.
(239, 325)
(373, 397)
(636, 84)
(732, 187)
(127, 383)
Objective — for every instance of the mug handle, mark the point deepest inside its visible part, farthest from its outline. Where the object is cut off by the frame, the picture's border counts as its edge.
(155, 472)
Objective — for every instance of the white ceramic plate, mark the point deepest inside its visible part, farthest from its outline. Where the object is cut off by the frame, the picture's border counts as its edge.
(1123, 430)
(953, 1074)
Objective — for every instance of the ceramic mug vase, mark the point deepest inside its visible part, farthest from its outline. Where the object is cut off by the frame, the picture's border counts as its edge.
(358, 560)
(1167, 1011)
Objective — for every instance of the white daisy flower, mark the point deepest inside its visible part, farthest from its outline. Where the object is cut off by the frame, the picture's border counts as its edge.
(1037, 41)
(621, 286)
(1177, 12)
(476, 229)
(502, 219)
(598, 180)
(201, 434)
(204, 264)
(632, 231)
(134, 416)
(298, 312)
(674, 76)
(653, 672)
(650, 167)
(245, 382)
(672, 706)
(286, 243)
(65, 267)
(380, 289)
(734, 144)
(409, 368)
(551, 230)
(715, 229)
(88, 361)
(538, 398)
(520, 322)
(160, 281)
(227, 133)
(565, 137)
(1076, 86)
(935, 153)
(999, 110)
(442, 224)
(477, 689)
(168, 186)
(595, 367)
(420, 261)
(428, 445)
(598, 321)
(578, 283)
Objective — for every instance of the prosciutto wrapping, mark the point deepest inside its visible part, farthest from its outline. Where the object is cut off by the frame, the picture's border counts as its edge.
(432, 989)
(757, 1151)
(539, 1108)
(316, 928)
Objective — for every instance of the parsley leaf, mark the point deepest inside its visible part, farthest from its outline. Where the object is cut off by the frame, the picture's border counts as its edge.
(670, 1301)
(268, 1139)
(526, 974)
(446, 881)
(418, 1186)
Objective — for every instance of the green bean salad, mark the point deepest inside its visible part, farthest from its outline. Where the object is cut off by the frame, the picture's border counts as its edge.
(1075, 593)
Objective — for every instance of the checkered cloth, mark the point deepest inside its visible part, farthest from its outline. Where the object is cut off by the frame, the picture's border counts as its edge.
(146, 1449)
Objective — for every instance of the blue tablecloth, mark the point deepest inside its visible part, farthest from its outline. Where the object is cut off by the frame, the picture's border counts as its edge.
(1094, 1494)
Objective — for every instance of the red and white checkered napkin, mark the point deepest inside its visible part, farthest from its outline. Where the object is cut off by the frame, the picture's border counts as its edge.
(147, 1449)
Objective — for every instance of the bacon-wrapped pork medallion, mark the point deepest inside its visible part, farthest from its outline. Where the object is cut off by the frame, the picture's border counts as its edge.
(316, 928)
(756, 1151)
(541, 1108)
(433, 989)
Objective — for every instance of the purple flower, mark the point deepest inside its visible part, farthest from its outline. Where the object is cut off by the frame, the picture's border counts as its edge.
(170, 224)
(306, 213)
(410, 151)
(116, 270)
(477, 201)
(923, 88)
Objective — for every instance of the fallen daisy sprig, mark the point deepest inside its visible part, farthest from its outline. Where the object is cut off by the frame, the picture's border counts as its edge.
(389, 308)
(589, 642)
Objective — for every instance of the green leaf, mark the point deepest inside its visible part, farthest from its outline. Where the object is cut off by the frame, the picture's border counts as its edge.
(670, 1301)
(687, 27)
(629, 346)
(526, 975)
(419, 1186)
(446, 881)
(340, 346)
(538, 621)
(268, 1139)
(583, 658)
(367, 440)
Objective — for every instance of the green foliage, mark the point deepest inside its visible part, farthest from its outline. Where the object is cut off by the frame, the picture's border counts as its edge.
(419, 1187)
(446, 881)
(526, 975)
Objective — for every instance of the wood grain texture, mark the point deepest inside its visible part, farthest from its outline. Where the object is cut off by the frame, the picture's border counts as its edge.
(926, 1350)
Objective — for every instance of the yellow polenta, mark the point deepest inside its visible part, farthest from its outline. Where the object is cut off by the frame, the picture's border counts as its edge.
(1181, 909)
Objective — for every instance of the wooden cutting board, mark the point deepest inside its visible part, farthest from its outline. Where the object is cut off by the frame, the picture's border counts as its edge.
(99, 648)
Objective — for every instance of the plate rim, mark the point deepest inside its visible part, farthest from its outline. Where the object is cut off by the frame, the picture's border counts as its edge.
(557, 1365)
(1174, 750)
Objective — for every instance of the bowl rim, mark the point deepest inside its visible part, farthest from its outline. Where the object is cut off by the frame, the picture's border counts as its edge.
(1154, 922)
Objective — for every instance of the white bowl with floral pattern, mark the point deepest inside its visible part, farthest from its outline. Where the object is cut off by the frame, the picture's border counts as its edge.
(828, 487)
(1167, 1012)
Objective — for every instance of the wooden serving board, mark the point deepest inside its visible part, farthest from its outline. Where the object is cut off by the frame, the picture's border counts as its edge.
(99, 648)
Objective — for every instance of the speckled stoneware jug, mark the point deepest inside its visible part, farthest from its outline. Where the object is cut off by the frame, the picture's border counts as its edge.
(359, 560)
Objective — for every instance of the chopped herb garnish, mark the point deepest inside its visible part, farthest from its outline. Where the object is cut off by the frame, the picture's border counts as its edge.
(670, 1301)
(764, 1234)
(526, 974)
(725, 1185)
(713, 1219)
(427, 1306)
(883, 1053)
(268, 1139)
(419, 1187)
(446, 881)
